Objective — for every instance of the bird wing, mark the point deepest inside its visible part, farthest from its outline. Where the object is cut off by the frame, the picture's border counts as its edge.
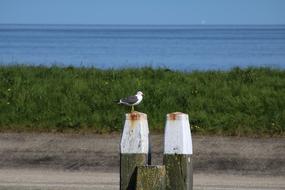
(130, 99)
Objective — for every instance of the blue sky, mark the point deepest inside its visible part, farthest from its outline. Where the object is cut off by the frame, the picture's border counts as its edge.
(142, 11)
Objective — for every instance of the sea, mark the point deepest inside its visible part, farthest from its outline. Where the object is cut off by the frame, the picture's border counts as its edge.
(177, 47)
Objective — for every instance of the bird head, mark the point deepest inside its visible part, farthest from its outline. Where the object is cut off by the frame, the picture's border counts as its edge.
(140, 93)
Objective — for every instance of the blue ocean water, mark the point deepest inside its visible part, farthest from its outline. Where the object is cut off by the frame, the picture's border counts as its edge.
(115, 46)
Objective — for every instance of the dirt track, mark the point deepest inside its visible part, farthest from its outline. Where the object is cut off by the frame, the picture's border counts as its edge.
(68, 161)
(101, 152)
(35, 179)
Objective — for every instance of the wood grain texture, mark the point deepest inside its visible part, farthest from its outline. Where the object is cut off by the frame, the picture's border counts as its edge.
(128, 169)
(151, 178)
(179, 171)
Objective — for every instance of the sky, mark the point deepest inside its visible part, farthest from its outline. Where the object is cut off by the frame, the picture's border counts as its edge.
(141, 12)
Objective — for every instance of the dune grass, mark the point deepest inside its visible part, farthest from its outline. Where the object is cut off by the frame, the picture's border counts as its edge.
(239, 102)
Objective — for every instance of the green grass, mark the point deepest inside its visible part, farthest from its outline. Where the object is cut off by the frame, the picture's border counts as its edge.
(240, 102)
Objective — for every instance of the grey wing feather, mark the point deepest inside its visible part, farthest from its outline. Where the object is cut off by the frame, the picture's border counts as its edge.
(130, 99)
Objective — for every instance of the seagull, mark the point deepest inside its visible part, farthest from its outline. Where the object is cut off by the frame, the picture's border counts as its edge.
(132, 100)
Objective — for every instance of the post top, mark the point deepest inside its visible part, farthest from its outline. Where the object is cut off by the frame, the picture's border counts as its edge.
(177, 116)
(136, 116)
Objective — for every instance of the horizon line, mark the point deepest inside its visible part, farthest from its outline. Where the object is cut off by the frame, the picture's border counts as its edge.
(140, 24)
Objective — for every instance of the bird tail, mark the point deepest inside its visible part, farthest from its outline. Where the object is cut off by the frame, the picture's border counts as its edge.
(117, 101)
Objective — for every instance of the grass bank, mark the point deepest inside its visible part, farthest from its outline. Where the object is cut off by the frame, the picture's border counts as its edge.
(242, 102)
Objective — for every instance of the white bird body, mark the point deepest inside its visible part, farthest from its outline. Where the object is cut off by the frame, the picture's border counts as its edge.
(140, 97)
(132, 100)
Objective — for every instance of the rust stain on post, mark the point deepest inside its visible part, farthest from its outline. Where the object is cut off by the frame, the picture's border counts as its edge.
(174, 115)
(135, 116)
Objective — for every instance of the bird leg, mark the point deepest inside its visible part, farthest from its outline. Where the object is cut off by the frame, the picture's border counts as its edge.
(133, 109)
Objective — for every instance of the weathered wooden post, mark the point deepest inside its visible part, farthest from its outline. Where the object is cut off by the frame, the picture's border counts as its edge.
(151, 178)
(134, 148)
(177, 152)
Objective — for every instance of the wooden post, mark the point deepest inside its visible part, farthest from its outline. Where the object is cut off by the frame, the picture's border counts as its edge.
(177, 152)
(134, 148)
(150, 178)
